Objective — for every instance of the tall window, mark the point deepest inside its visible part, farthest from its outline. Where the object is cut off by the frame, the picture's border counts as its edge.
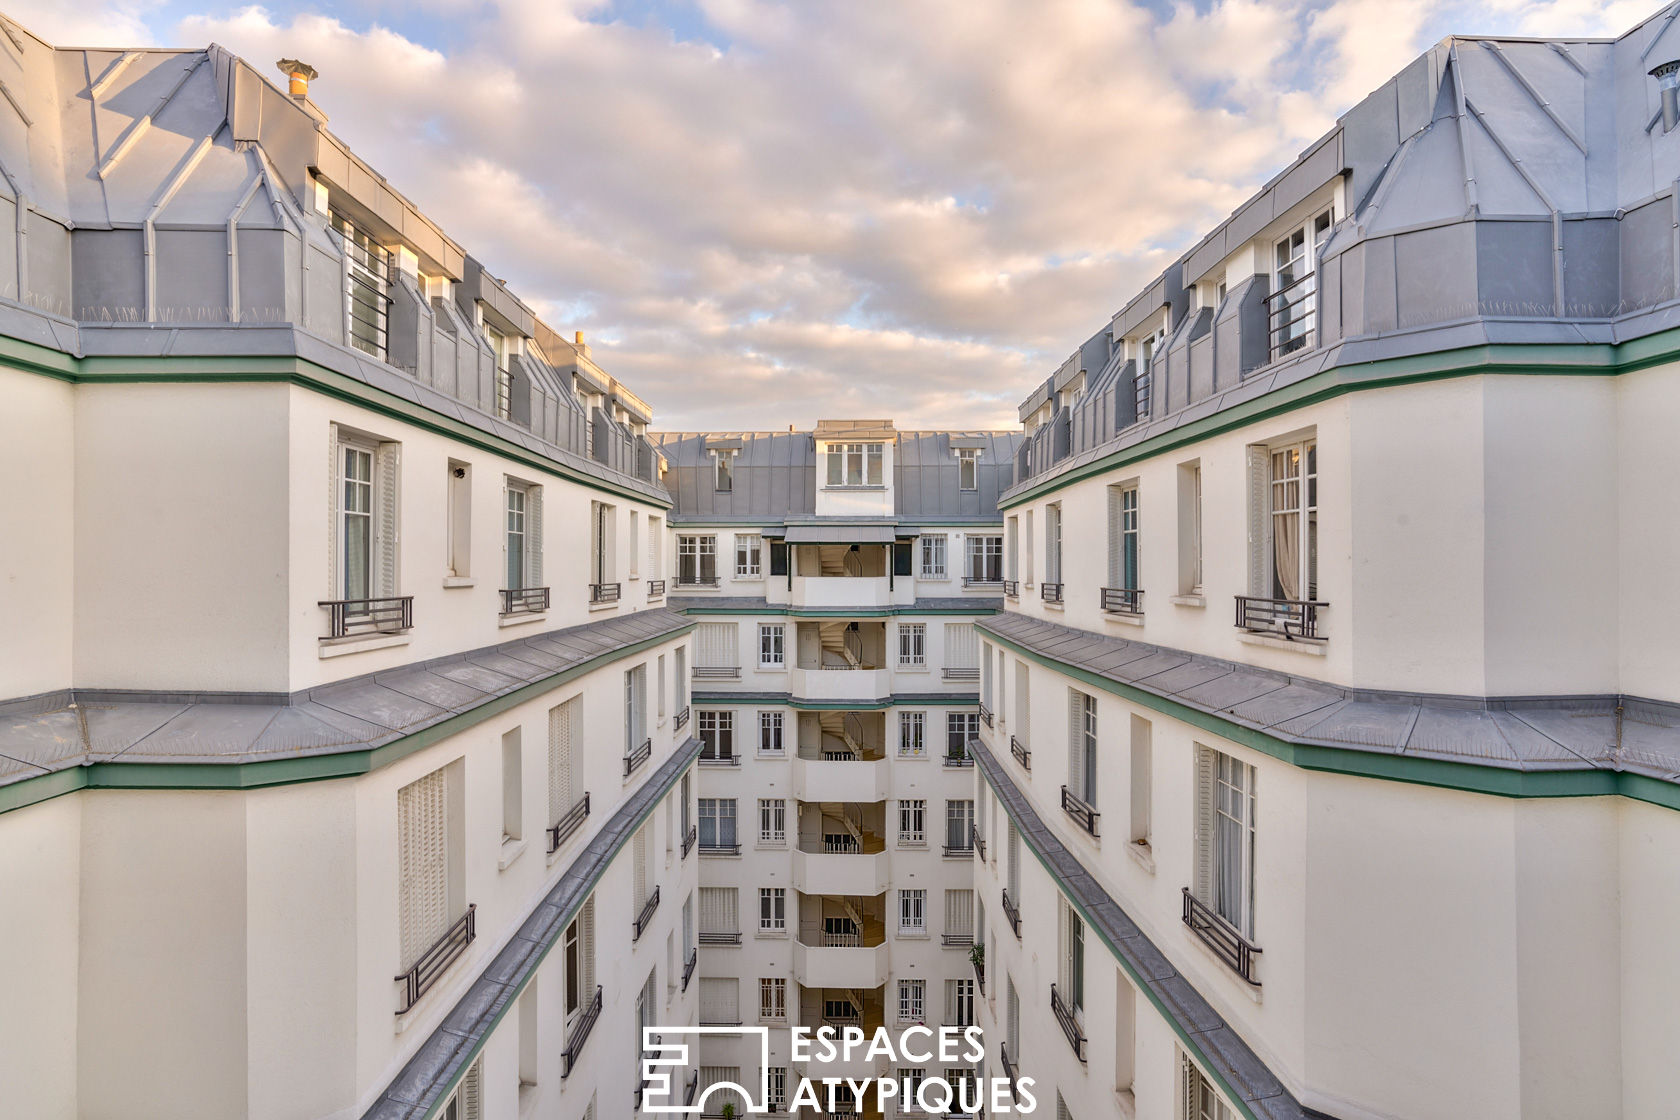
(854, 464)
(1053, 542)
(635, 543)
(720, 919)
(912, 644)
(912, 1001)
(912, 821)
(1123, 536)
(459, 513)
(983, 560)
(635, 708)
(770, 728)
(697, 560)
(912, 734)
(725, 471)
(367, 278)
(959, 824)
(1082, 746)
(1225, 837)
(603, 533)
(960, 727)
(960, 926)
(717, 822)
(1201, 1100)
(1071, 959)
(772, 999)
(959, 1003)
(565, 749)
(720, 1006)
(500, 350)
(772, 820)
(1295, 286)
(425, 906)
(579, 941)
(933, 556)
(1141, 769)
(717, 735)
(771, 642)
(968, 468)
(524, 536)
(772, 909)
(749, 552)
(1292, 495)
(1190, 528)
(356, 543)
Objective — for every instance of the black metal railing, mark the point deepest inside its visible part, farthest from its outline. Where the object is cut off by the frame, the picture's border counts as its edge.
(435, 961)
(1292, 618)
(713, 582)
(979, 842)
(688, 841)
(1021, 753)
(979, 974)
(956, 940)
(961, 851)
(580, 1034)
(646, 916)
(655, 588)
(1050, 592)
(1070, 1023)
(638, 756)
(981, 581)
(1012, 911)
(1292, 314)
(1122, 600)
(716, 849)
(693, 1089)
(346, 617)
(985, 714)
(720, 938)
(682, 718)
(957, 759)
(568, 823)
(690, 965)
(1080, 810)
(717, 672)
(1221, 936)
(1011, 1070)
(1012, 588)
(719, 759)
(524, 600)
(604, 592)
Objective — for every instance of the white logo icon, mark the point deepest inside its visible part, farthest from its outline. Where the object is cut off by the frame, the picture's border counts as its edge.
(663, 1061)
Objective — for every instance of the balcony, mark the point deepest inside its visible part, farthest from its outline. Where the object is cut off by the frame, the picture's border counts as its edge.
(1050, 592)
(635, 758)
(1083, 814)
(1294, 619)
(985, 714)
(349, 618)
(827, 960)
(1011, 1070)
(568, 823)
(703, 583)
(579, 1035)
(717, 672)
(524, 600)
(981, 583)
(656, 589)
(434, 962)
(979, 967)
(841, 591)
(645, 918)
(689, 966)
(603, 593)
(957, 760)
(1012, 911)
(1069, 1023)
(1122, 600)
(961, 850)
(860, 780)
(1011, 589)
(719, 848)
(861, 685)
(959, 940)
(1021, 753)
(1291, 314)
(682, 718)
(1222, 937)
(719, 937)
(866, 873)
(688, 841)
(980, 844)
(715, 759)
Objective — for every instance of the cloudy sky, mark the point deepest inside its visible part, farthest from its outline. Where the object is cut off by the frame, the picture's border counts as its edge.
(763, 213)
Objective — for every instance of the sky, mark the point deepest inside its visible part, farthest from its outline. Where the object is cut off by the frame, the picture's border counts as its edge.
(763, 214)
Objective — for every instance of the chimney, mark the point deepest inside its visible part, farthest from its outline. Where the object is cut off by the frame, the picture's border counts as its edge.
(582, 346)
(300, 74)
(1667, 75)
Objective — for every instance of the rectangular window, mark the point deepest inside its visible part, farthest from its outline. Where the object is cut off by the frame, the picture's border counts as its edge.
(579, 942)
(523, 542)
(959, 823)
(959, 916)
(717, 823)
(772, 909)
(1201, 1100)
(720, 1001)
(1283, 521)
(854, 464)
(772, 820)
(717, 735)
(719, 918)
(912, 1001)
(968, 468)
(1053, 542)
(565, 749)
(513, 785)
(1013, 528)
(725, 471)
(983, 560)
(1141, 767)
(697, 560)
(1082, 746)
(960, 727)
(959, 1003)
(459, 527)
(1190, 528)
(770, 726)
(912, 734)
(468, 1101)
(720, 1076)
(910, 1082)
(715, 652)
(771, 640)
(656, 548)
(367, 281)
(772, 999)
(1070, 972)
(365, 522)
(933, 556)
(912, 645)
(635, 543)
(912, 821)
(749, 554)
(603, 535)
(1225, 837)
(1123, 537)
(777, 1103)
(635, 709)
(423, 826)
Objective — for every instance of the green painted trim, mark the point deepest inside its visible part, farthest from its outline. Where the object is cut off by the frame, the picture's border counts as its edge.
(290, 771)
(731, 700)
(1186, 1039)
(1467, 777)
(303, 373)
(1561, 360)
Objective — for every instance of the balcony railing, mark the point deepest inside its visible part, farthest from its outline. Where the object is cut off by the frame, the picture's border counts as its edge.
(957, 940)
(717, 672)
(1223, 938)
(1070, 1023)
(693, 1089)
(1082, 813)
(348, 617)
(1122, 600)
(580, 1034)
(1010, 1069)
(682, 718)
(1050, 592)
(638, 756)
(960, 673)
(716, 849)
(689, 966)
(979, 974)
(1012, 588)
(1021, 753)
(979, 843)
(568, 824)
(434, 962)
(604, 593)
(955, 760)
(961, 851)
(719, 759)
(716, 938)
(688, 841)
(985, 714)
(524, 600)
(1291, 618)
(981, 581)
(1292, 313)
(697, 582)
(656, 589)
(1012, 911)
(646, 916)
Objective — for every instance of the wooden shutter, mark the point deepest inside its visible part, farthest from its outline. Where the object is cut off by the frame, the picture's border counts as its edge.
(1116, 537)
(1205, 766)
(335, 501)
(720, 999)
(1014, 866)
(588, 951)
(1022, 710)
(533, 537)
(561, 731)
(388, 480)
(422, 858)
(1259, 503)
(639, 856)
(715, 645)
(961, 646)
(471, 1093)
(1076, 742)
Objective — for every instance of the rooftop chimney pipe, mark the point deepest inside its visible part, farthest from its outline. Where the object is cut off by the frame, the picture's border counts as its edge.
(300, 74)
(1667, 75)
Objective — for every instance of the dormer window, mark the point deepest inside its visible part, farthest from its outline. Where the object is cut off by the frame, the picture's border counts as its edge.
(854, 464)
(725, 471)
(968, 468)
(367, 279)
(1293, 304)
(499, 346)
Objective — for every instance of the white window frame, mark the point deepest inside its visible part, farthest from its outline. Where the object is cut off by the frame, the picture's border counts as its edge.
(772, 734)
(718, 810)
(983, 559)
(912, 645)
(772, 999)
(912, 822)
(912, 1001)
(772, 909)
(912, 734)
(772, 820)
(715, 727)
(723, 473)
(698, 549)
(968, 468)
(1225, 872)
(855, 466)
(933, 556)
(772, 645)
(749, 556)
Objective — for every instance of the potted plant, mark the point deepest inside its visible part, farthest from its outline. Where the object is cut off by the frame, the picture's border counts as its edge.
(728, 1110)
(977, 955)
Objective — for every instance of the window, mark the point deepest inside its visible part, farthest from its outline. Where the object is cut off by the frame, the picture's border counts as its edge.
(749, 552)
(367, 278)
(959, 1003)
(697, 560)
(656, 548)
(717, 735)
(523, 544)
(603, 565)
(513, 786)
(635, 542)
(1294, 299)
(960, 727)
(1201, 1100)
(719, 1076)
(501, 349)
(715, 652)
(933, 556)
(1125, 1035)
(959, 917)
(772, 820)
(1190, 528)
(1027, 544)
(912, 645)
(635, 709)
(458, 494)
(854, 464)
(717, 823)
(719, 920)
(1225, 837)
(1286, 566)
(912, 1003)
(1141, 765)
(910, 1079)
(364, 520)
(1013, 528)
(357, 568)
(1053, 542)
(1123, 537)
(1082, 746)
(959, 824)
(427, 902)
(771, 639)
(912, 821)
(468, 1101)
(659, 692)
(912, 741)
(725, 471)
(772, 909)
(983, 560)
(565, 747)
(580, 963)
(770, 725)
(778, 1090)
(1070, 971)
(720, 1002)
(968, 468)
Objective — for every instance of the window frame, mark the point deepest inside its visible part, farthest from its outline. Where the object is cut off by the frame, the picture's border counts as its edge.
(698, 549)
(912, 645)
(933, 555)
(983, 558)
(912, 1001)
(968, 469)
(855, 466)
(772, 726)
(718, 739)
(912, 734)
(772, 910)
(749, 556)
(718, 816)
(912, 822)
(772, 821)
(772, 645)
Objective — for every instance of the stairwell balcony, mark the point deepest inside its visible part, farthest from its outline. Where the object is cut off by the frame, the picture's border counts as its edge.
(863, 684)
(825, 867)
(824, 957)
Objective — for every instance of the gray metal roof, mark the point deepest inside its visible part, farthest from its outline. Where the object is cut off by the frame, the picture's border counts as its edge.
(987, 604)
(1528, 734)
(59, 730)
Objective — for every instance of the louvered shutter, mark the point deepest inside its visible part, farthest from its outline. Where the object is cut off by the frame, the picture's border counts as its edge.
(715, 645)
(1259, 467)
(534, 537)
(1022, 710)
(588, 951)
(1062, 955)
(717, 910)
(1014, 866)
(1116, 537)
(639, 856)
(1188, 1084)
(422, 826)
(1076, 743)
(960, 645)
(335, 499)
(986, 674)
(1053, 543)
(720, 1000)
(560, 776)
(597, 541)
(959, 913)
(1012, 1025)
(472, 1092)
(1204, 824)
(388, 469)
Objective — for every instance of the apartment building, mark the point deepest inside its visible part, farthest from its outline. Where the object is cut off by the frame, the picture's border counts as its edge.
(333, 781)
(835, 578)
(1329, 733)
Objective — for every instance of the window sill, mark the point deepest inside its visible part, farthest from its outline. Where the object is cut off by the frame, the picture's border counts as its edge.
(912, 935)
(855, 489)
(1196, 601)
(507, 620)
(339, 647)
(913, 668)
(770, 935)
(913, 757)
(511, 851)
(1309, 649)
(459, 581)
(772, 668)
(1143, 854)
(771, 846)
(1123, 619)
(739, 578)
(594, 607)
(771, 756)
(1055, 606)
(913, 845)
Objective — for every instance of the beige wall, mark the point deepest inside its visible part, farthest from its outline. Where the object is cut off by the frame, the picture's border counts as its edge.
(37, 532)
